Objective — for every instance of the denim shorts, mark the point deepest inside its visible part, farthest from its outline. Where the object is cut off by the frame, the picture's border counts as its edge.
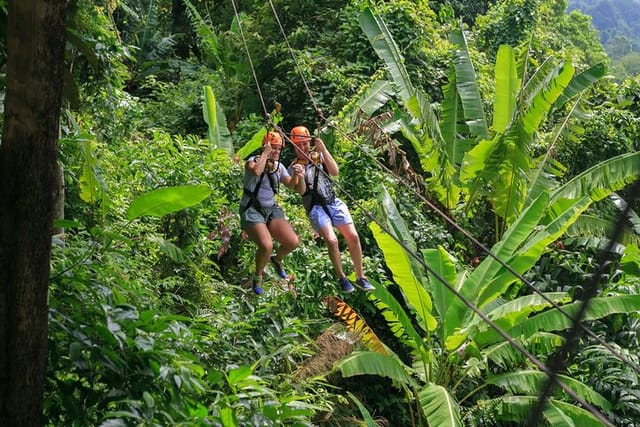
(338, 215)
(251, 215)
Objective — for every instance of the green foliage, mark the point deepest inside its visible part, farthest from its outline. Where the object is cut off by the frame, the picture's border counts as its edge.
(149, 321)
(507, 23)
(167, 200)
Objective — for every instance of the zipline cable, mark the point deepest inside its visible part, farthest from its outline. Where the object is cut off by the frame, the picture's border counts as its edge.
(253, 71)
(488, 251)
(512, 342)
(591, 290)
(443, 215)
(293, 56)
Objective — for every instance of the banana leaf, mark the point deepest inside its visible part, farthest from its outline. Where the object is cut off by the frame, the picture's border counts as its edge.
(439, 407)
(218, 133)
(507, 86)
(167, 200)
(371, 363)
(531, 382)
(382, 42)
(466, 84)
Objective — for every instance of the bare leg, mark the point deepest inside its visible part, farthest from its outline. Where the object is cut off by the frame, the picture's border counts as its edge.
(259, 234)
(284, 234)
(331, 240)
(350, 235)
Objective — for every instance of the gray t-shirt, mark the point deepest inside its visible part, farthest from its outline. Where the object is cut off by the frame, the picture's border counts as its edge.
(268, 185)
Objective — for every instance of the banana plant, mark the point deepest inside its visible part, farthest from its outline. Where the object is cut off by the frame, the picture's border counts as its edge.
(464, 158)
(453, 349)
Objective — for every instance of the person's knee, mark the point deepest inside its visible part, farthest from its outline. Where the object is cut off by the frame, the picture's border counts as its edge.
(266, 246)
(293, 242)
(350, 235)
(331, 241)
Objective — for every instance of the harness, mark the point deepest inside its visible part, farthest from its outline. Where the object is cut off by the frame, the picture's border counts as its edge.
(253, 194)
(316, 197)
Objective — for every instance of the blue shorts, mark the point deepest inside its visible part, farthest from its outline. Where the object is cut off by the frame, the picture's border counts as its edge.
(339, 215)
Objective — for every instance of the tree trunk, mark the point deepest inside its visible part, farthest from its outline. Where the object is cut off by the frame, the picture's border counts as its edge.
(28, 173)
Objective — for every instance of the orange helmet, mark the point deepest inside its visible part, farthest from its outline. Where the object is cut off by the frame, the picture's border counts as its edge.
(300, 134)
(273, 138)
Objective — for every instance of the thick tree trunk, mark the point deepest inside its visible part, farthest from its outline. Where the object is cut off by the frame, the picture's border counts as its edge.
(28, 173)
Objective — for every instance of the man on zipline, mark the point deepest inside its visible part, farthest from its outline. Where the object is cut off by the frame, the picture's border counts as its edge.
(324, 209)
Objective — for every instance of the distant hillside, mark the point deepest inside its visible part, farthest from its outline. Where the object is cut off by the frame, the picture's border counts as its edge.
(612, 18)
(618, 22)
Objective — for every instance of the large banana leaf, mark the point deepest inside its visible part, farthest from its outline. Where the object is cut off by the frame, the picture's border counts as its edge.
(593, 226)
(252, 145)
(218, 133)
(531, 382)
(554, 320)
(466, 83)
(400, 264)
(580, 83)
(443, 264)
(542, 102)
(166, 200)
(504, 355)
(517, 409)
(440, 408)
(380, 38)
(373, 98)
(601, 180)
(371, 363)
(506, 89)
(580, 417)
(531, 250)
(516, 311)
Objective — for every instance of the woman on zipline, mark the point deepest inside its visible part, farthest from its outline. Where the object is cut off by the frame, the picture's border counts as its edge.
(324, 209)
(260, 216)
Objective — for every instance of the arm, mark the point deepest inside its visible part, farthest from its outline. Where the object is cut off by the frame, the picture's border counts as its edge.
(257, 166)
(296, 181)
(329, 161)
